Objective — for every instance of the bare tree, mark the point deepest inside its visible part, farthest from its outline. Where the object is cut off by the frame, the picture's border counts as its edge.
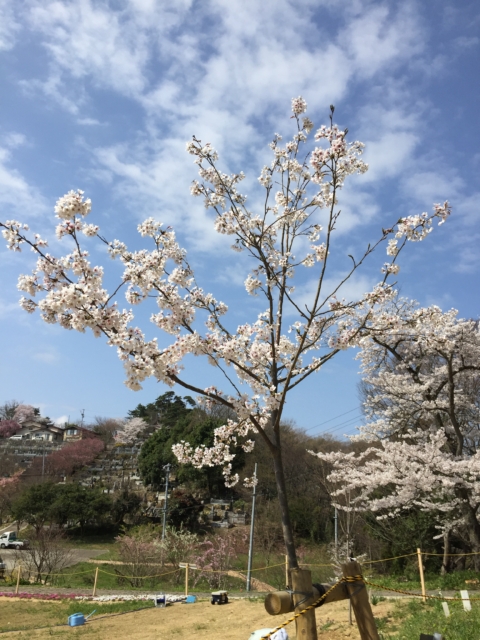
(8, 408)
(46, 554)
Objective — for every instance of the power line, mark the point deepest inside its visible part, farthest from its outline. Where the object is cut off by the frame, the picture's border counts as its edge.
(332, 419)
(343, 424)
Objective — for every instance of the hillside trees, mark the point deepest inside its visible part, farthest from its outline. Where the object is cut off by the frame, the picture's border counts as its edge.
(269, 354)
(422, 380)
(8, 492)
(196, 429)
(166, 410)
(106, 428)
(49, 503)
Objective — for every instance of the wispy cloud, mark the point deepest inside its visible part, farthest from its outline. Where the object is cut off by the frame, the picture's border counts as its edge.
(47, 356)
(9, 26)
(17, 196)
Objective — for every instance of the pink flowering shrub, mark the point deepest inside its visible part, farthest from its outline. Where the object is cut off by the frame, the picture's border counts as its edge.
(216, 557)
(69, 458)
(9, 428)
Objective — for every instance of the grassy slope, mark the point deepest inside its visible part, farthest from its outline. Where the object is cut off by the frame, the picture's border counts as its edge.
(415, 618)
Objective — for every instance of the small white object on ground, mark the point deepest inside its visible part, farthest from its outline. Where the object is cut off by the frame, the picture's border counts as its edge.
(446, 610)
(467, 605)
(281, 634)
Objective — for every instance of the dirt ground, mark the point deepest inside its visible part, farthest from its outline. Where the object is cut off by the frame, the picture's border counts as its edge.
(234, 621)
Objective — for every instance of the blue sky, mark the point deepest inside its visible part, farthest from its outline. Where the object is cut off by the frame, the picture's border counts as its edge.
(102, 96)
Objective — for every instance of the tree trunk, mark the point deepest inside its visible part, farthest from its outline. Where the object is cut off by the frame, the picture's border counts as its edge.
(284, 511)
(473, 526)
(446, 551)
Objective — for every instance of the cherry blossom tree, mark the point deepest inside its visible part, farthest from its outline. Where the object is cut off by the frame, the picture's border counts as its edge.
(24, 413)
(131, 431)
(290, 235)
(422, 402)
(69, 458)
(9, 428)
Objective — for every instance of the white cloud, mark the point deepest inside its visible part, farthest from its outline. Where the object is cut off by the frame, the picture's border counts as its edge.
(17, 196)
(88, 122)
(47, 356)
(60, 421)
(379, 37)
(8, 24)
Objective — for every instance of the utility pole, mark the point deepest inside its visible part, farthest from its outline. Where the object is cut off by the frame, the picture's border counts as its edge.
(252, 526)
(167, 474)
(82, 413)
(336, 533)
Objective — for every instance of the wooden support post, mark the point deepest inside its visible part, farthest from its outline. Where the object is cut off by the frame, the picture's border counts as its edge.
(19, 572)
(306, 626)
(280, 602)
(360, 603)
(287, 577)
(95, 583)
(422, 577)
(186, 579)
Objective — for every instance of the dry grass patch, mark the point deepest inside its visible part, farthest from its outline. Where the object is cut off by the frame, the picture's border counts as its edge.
(234, 621)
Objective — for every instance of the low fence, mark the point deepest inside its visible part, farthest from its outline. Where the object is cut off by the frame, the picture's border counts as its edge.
(191, 569)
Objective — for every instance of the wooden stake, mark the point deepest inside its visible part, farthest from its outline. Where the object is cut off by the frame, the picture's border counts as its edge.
(95, 583)
(186, 579)
(422, 578)
(306, 626)
(467, 605)
(360, 603)
(287, 579)
(19, 572)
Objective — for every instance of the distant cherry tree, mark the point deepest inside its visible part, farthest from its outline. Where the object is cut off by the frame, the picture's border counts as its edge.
(131, 431)
(421, 371)
(25, 412)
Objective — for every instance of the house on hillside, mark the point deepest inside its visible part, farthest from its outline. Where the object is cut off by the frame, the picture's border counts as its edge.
(40, 429)
(73, 432)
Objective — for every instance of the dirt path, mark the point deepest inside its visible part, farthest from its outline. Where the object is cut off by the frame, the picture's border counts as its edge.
(257, 585)
(234, 621)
